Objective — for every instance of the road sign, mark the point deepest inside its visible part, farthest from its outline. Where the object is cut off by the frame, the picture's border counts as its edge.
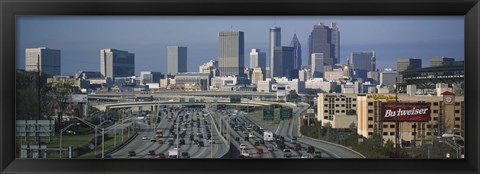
(267, 114)
(286, 113)
(310, 111)
(235, 100)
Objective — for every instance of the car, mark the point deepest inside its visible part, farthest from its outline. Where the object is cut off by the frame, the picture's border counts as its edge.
(160, 156)
(243, 146)
(298, 147)
(237, 139)
(170, 142)
(153, 139)
(144, 137)
(310, 149)
(245, 153)
(185, 154)
(200, 136)
(262, 142)
(259, 151)
(191, 138)
(211, 141)
(270, 149)
(251, 135)
(246, 138)
(151, 152)
(287, 153)
(200, 144)
(256, 143)
(131, 153)
(305, 156)
(160, 141)
(182, 141)
(195, 141)
(317, 154)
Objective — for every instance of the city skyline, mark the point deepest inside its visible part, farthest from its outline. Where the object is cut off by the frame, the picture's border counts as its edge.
(420, 37)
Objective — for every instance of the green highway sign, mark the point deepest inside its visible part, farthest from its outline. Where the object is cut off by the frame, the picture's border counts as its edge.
(267, 114)
(235, 100)
(286, 113)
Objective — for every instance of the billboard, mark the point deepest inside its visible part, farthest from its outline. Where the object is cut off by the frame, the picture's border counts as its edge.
(400, 111)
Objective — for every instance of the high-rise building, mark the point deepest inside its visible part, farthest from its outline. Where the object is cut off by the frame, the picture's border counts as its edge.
(283, 61)
(336, 42)
(362, 62)
(320, 41)
(407, 63)
(258, 75)
(317, 65)
(258, 58)
(117, 63)
(387, 77)
(49, 60)
(297, 52)
(176, 59)
(150, 77)
(231, 53)
(275, 41)
(439, 61)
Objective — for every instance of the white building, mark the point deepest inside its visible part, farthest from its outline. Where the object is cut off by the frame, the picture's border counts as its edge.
(209, 67)
(320, 83)
(294, 84)
(200, 80)
(304, 74)
(257, 58)
(350, 88)
(257, 75)
(265, 86)
(225, 83)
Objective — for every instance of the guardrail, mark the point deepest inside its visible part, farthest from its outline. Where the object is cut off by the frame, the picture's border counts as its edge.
(221, 135)
(121, 145)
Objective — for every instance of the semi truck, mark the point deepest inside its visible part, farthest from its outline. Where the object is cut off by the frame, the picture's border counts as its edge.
(173, 153)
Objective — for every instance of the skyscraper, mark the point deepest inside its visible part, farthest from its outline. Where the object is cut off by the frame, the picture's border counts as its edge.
(49, 60)
(407, 63)
(117, 63)
(321, 40)
(258, 75)
(362, 62)
(317, 65)
(336, 42)
(257, 58)
(283, 61)
(297, 52)
(275, 41)
(176, 59)
(231, 53)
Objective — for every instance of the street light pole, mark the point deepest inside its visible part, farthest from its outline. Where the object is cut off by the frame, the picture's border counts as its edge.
(61, 133)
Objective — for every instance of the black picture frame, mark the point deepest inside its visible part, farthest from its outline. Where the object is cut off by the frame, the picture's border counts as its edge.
(11, 8)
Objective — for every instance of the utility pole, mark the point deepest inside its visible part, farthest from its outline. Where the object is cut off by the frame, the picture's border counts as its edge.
(39, 106)
(397, 129)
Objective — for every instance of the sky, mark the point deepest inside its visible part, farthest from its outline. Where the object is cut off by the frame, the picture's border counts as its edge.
(80, 38)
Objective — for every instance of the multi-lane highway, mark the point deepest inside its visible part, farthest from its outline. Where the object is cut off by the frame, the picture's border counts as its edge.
(241, 132)
(173, 123)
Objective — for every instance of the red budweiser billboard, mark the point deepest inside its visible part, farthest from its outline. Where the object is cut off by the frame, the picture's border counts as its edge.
(392, 111)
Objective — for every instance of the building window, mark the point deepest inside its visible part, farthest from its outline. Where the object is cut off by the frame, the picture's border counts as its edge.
(325, 105)
(392, 133)
(457, 118)
(370, 103)
(435, 104)
(385, 126)
(435, 126)
(343, 105)
(343, 99)
(435, 118)
(343, 111)
(370, 126)
(457, 103)
(337, 99)
(370, 133)
(354, 105)
(429, 126)
(385, 133)
(370, 111)
(429, 133)
(354, 99)
(457, 111)
(414, 133)
(435, 111)
(325, 99)
(414, 126)
(457, 126)
(326, 111)
(370, 118)
(337, 105)
(337, 111)
(326, 117)
(392, 126)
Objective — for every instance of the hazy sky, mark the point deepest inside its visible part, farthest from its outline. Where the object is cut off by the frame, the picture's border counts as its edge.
(80, 38)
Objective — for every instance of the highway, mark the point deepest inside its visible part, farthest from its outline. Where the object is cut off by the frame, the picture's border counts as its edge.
(142, 147)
